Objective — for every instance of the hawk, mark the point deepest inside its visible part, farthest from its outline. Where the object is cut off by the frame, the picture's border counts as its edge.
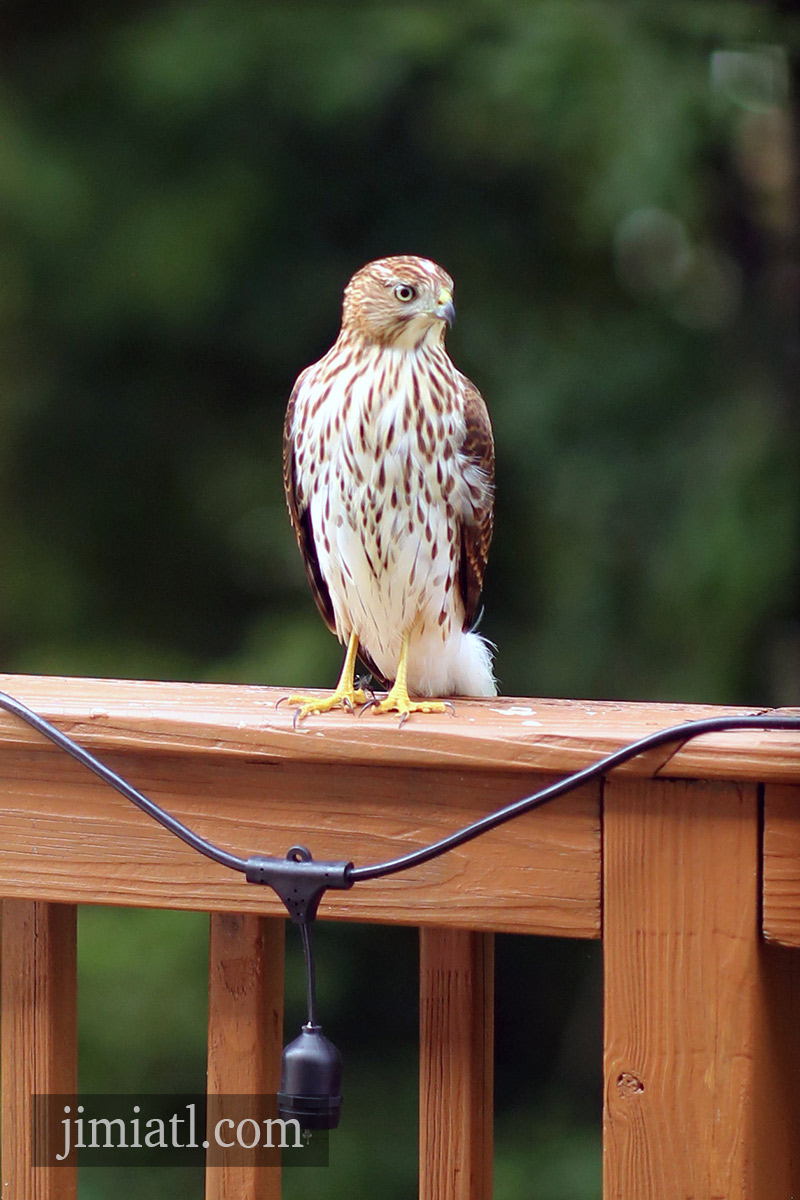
(389, 471)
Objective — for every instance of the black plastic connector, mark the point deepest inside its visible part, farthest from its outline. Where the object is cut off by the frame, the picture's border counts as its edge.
(311, 1067)
(298, 880)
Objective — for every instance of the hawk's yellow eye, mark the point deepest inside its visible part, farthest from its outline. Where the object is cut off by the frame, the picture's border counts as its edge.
(405, 292)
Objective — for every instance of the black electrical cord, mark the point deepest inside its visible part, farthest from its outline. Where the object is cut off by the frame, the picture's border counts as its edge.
(675, 733)
(310, 1087)
(10, 704)
(311, 978)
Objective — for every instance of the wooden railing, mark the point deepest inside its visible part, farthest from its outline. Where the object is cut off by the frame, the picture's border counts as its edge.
(686, 862)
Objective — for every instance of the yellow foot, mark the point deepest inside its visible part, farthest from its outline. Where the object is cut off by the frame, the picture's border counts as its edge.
(399, 701)
(349, 698)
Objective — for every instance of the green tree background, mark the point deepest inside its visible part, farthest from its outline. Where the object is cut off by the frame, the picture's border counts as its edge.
(185, 188)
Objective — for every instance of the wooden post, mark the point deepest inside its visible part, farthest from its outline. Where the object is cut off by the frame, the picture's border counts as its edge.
(245, 1034)
(456, 1064)
(39, 1037)
(692, 1102)
(782, 864)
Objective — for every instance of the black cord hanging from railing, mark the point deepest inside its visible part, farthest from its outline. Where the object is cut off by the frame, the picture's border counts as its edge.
(315, 877)
(311, 1073)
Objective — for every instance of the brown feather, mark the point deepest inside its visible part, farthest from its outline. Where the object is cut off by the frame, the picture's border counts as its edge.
(378, 678)
(476, 536)
(301, 518)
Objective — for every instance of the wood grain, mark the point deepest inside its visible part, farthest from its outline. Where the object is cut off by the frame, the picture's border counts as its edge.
(692, 1105)
(66, 835)
(39, 1039)
(245, 1037)
(782, 864)
(507, 734)
(456, 1110)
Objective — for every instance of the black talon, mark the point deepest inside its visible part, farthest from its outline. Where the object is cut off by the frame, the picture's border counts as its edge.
(370, 704)
(347, 703)
(403, 718)
(449, 705)
(282, 700)
(297, 712)
(362, 685)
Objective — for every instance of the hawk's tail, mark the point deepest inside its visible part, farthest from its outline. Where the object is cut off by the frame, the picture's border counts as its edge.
(461, 666)
(475, 676)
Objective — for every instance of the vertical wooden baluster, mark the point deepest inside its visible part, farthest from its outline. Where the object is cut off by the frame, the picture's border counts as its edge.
(456, 1064)
(782, 863)
(695, 1102)
(39, 1037)
(245, 1033)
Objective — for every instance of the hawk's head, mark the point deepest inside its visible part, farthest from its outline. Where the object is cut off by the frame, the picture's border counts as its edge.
(401, 302)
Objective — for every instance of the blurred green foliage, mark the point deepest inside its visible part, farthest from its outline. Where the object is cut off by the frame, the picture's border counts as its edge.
(184, 190)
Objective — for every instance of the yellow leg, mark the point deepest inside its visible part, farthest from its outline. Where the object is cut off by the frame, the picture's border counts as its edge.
(398, 699)
(346, 694)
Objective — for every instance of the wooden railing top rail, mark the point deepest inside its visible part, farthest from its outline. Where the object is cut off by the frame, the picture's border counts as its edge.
(507, 734)
(228, 763)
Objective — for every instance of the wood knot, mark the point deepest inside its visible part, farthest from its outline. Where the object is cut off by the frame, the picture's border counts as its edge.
(628, 1084)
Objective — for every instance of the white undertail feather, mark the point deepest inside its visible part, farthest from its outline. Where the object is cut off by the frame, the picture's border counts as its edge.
(460, 667)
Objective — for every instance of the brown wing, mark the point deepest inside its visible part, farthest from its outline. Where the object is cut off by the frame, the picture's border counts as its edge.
(300, 516)
(475, 536)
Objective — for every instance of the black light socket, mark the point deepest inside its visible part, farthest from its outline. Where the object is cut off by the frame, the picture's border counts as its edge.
(311, 1080)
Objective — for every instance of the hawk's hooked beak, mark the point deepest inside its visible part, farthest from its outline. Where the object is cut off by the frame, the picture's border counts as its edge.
(445, 309)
